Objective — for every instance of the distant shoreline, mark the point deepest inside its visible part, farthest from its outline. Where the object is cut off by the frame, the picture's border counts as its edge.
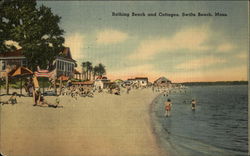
(215, 83)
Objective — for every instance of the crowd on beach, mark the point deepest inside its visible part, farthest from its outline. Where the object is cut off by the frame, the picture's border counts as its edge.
(79, 91)
(71, 90)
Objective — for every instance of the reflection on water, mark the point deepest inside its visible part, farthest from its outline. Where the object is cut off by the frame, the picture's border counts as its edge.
(218, 126)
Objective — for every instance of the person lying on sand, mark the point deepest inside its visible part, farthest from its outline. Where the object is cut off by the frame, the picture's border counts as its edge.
(12, 100)
(43, 103)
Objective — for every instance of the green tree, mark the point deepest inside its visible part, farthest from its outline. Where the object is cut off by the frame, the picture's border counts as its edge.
(101, 69)
(35, 29)
(87, 69)
(95, 72)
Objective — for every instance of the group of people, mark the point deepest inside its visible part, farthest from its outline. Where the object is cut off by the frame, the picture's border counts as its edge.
(168, 106)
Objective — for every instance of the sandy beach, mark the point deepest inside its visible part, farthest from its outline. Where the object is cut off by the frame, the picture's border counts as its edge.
(106, 125)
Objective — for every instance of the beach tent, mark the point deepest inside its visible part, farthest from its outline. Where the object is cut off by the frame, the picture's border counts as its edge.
(20, 72)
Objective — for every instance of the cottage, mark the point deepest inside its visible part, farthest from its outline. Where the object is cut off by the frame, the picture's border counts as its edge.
(142, 81)
(64, 64)
(77, 75)
(101, 82)
(162, 82)
(139, 81)
(11, 60)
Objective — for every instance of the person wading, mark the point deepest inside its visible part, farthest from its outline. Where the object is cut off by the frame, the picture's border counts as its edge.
(168, 105)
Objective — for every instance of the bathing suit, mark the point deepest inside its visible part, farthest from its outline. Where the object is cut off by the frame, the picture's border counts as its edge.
(168, 108)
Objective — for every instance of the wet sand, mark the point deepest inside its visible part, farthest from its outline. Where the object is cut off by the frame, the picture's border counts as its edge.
(106, 125)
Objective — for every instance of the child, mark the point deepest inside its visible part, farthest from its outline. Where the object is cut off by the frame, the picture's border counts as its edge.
(12, 99)
(168, 106)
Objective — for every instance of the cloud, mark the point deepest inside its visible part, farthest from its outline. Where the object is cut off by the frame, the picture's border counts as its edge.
(227, 74)
(110, 36)
(199, 63)
(242, 55)
(225, 47)
(76, 42)
(191, 39)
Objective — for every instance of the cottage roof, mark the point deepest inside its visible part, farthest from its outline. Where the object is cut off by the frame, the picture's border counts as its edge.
(66, 53)
(131, 79)
(162, 79)
(141, 78)
(15, 53)
(101, 78)
(18, 53)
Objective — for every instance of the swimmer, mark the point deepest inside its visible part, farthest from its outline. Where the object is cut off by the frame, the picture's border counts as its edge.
(193, 103)
(168, 106)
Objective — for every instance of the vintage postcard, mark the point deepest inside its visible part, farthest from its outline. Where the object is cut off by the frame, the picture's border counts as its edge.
(124, 78)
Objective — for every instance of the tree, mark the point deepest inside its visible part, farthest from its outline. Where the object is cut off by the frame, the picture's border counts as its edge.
(87, 69)
(35, 29)
(101, 69)
(95, 72)
(90, 71)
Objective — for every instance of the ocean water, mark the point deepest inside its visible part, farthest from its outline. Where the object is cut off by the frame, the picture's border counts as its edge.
(218, 126)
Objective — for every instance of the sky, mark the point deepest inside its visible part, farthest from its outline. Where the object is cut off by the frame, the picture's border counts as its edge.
(183, 49)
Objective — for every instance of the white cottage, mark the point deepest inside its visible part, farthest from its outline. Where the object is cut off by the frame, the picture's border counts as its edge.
(139, 81)
(101, 82)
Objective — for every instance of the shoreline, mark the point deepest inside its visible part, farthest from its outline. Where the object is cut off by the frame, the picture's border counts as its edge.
(104, 125)
(154, 124)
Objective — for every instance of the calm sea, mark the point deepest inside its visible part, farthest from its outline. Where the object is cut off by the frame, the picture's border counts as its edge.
(218, 126)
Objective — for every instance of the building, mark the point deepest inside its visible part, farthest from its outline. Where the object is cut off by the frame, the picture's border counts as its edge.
(139, 81)
(77, 75)
(162, 82)
(11, 60)
(142, 81)
(101, 82)
(64, 63)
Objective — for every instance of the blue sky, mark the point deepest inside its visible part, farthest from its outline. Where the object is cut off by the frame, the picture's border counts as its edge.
(180, 48)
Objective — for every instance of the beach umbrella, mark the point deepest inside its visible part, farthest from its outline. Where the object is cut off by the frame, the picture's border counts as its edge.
(20, 72)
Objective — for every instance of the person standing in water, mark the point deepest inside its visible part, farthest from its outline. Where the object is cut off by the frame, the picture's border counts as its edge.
(193, 103)
(168, 105)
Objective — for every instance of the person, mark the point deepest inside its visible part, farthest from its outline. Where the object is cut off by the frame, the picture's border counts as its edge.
(37, 97)
(44, 103)
(12, 100)
(168, 105)
(128, 89)
(193, 103)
